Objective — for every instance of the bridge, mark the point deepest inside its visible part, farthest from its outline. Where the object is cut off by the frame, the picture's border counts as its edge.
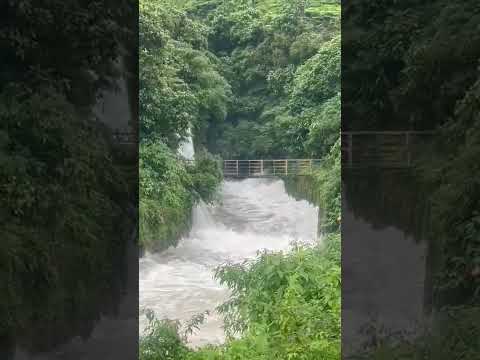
(382, 149)
(360, 149)
(269, 168)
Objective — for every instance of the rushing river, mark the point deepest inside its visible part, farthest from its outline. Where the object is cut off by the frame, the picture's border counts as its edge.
(251, 215)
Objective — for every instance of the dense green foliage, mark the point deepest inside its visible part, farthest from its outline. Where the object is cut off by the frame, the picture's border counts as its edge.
(281, 60)
(455, 223)
(284, 69)
(416, 66)
(168, 190)
(163, 341)
(165, 199)
(180, 91)
(180, 86)
(61, 192)
(288, 304)
(415, 83)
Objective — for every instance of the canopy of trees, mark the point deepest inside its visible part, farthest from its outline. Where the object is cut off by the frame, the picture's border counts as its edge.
(425, 76)
(181, 91)
(414, 65)
(284, 68)
(62, 193)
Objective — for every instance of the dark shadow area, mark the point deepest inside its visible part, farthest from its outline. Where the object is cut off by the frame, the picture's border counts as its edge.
(385, 282)
(68, 180)
(410, 225)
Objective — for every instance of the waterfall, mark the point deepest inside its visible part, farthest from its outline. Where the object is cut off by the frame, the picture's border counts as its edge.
(202, 216)
(252, 215)
(186, 149)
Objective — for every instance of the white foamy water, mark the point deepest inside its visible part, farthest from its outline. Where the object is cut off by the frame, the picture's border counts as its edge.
(252, 215)
(186, 148)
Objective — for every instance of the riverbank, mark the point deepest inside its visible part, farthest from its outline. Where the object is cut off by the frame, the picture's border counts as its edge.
(296, 290)
(169, 189)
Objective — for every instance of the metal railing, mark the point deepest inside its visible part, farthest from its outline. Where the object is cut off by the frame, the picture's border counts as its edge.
(269, 168)
(384, 149)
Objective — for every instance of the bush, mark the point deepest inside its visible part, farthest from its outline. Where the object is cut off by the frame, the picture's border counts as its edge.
(165, 199)
(161, 341)
(168, 190)
(284, 306)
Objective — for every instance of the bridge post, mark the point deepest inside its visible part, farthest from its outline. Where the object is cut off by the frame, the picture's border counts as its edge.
(261, 167)
(236, 163)
(286, 167)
